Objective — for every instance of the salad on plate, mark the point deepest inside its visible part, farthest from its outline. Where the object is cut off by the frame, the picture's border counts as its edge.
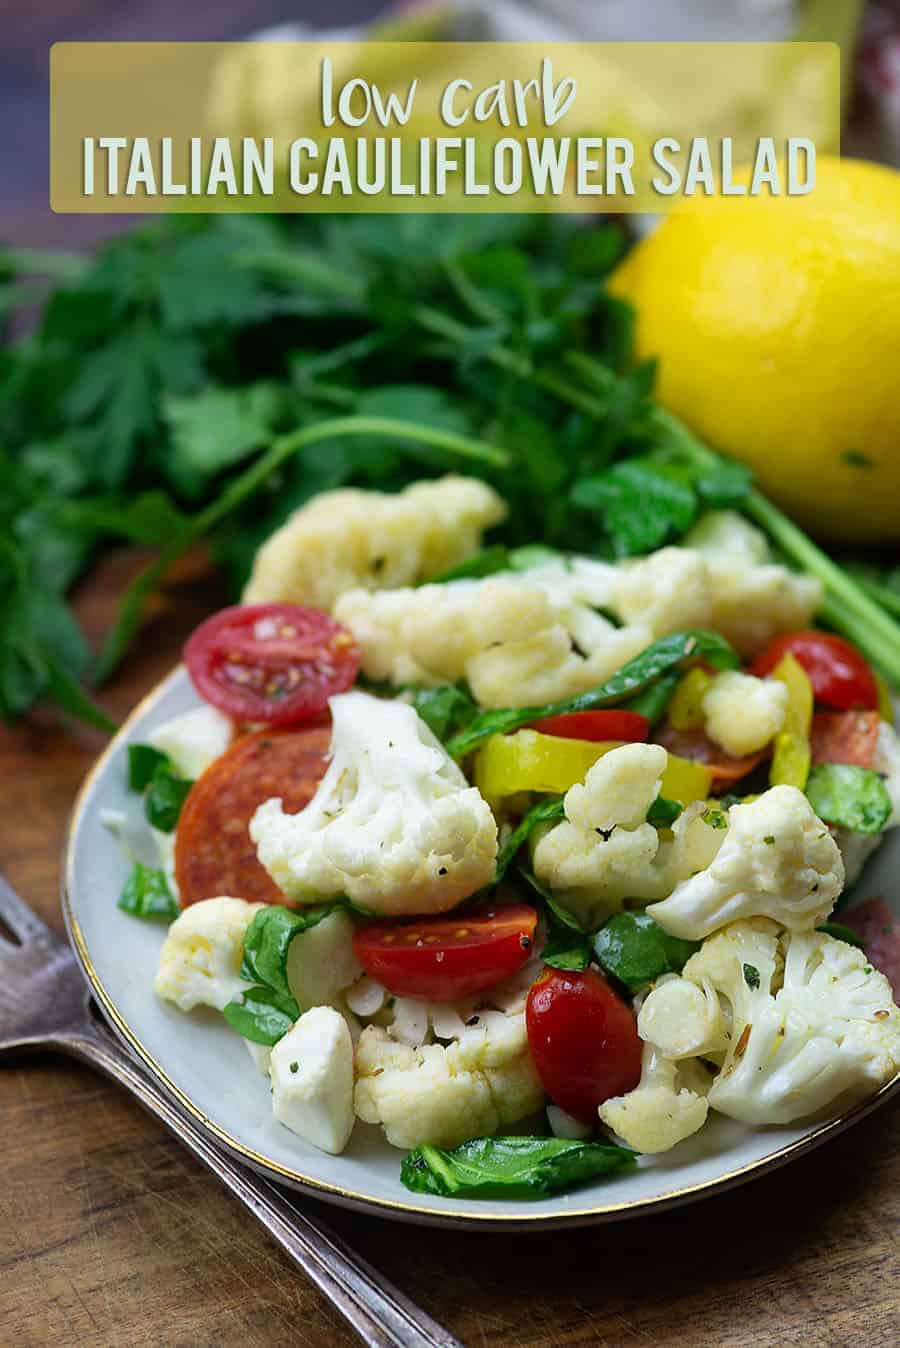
(529, 858)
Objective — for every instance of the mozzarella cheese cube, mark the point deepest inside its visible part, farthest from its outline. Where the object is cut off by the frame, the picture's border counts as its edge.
(312, 1079)
(201, 955)
(193, 740)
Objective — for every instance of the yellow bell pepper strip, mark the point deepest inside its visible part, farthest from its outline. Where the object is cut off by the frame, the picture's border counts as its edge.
(885, 700)
(530, 761)
(792, 756)
(686, 708)
(685, 781)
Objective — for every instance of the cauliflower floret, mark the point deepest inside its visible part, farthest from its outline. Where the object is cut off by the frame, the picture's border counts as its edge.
(193, 740)
(201, 955)
(725, 532)
(744, 713)
(777, 860)
(506, 635)
(348, 538)
(811, 1021)
(604, 851)
(394, 824)
(440, 1095)
(666, 1106)
(678, 588)
(312, 1080)
(683, 1019)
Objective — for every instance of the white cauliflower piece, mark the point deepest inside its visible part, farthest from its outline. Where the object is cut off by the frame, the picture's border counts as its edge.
(505, 635)
(725, 532)
(666, 1106)
(394, 824)
(678, 588)
(344, 539)
(811, 1021)
(312, 1080)
(604, 851)
(744, 713)
(201, 955)
(777, 860)
(443, 1095)
(683, 1019)
(193, 740)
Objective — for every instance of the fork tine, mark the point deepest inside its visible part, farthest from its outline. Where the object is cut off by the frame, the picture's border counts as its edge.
(20, 919)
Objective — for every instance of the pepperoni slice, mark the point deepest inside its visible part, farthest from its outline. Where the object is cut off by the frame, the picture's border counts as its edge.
(697, 746)
(845, 737)
(213, 851)
(878, 927)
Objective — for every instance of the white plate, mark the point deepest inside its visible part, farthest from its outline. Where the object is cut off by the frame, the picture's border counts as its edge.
(207, 1068)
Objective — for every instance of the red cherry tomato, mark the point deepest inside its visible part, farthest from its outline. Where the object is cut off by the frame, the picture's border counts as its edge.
(213, 851)
(596, 725)
(839, 674)
(276, 663)
(845, 737)
(441, 959)
(583, 1039)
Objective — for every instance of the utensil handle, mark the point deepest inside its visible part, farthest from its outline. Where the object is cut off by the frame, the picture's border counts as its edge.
(376, 1310)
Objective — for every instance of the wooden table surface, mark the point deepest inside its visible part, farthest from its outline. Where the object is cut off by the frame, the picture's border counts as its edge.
(111, 1235)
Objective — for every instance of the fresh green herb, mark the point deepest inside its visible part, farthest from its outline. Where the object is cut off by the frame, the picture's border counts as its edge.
(654, 700)
(510, 1167)
(543, 812)
(664, 656)
(164, 797)
(842, 933)
(567, 945)
(147, 894)
(485, 563)
(445, 710)
(261, 1014)
(769, 839)
(751, 976)
(143, 761)
(641, 506)
(663, 812)
(716, 818)
(634, 949)
(849, 797)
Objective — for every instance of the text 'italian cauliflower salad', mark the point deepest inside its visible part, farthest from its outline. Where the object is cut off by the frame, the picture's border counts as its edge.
(460, 835)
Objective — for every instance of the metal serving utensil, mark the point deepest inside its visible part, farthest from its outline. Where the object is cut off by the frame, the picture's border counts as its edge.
(45, 1005)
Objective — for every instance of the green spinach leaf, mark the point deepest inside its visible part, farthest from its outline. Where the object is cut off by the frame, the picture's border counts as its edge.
(634, 949)
(143, 762)
(147, 894)
(511, 1167)
(164, 797)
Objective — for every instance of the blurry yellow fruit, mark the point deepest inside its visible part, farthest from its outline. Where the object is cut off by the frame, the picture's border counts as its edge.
(776, 322)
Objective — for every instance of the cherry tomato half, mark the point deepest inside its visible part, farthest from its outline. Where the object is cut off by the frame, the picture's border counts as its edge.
(213, 850)
(583, 1039)
(276, 663)
(442, 959)
(839, 674)
(596, 725)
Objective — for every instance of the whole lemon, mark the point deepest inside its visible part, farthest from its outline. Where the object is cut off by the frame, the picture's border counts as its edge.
(776, 322)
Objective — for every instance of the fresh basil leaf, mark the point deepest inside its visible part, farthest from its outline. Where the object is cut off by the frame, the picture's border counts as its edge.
(510, 1167)
(484, 563)
(663, 657)
(849, 797)
(143, 761)
(165, 796)
(268, 939)
(634, 949)
(261, 1015)
(147, 894)
(842, 933)
(540, 813)
(663, 812)
(445, 710)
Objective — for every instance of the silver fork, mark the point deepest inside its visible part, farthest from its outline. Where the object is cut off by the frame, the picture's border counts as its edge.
(45, 1006)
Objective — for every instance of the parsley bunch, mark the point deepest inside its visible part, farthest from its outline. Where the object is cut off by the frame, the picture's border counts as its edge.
(204, 376)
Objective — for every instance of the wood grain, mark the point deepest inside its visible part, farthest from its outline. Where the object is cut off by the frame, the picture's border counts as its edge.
(112, 1237)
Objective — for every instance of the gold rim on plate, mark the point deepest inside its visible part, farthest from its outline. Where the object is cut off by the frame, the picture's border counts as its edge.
(337, 1193)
